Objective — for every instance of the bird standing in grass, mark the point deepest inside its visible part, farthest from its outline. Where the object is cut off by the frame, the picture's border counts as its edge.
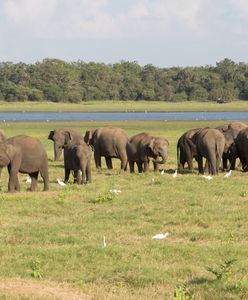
(28, 179)
(104, 243)
(174, 175)
(209, 177)
(60, 182)
(228, 174)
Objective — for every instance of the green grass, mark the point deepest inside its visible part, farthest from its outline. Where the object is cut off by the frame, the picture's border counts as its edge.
(56, 236)
(124, 106)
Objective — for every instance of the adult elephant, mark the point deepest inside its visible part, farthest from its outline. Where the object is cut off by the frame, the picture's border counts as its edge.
(60, 137)
(142, 146)
(186, 149)
(3, 137)
(230, 133)
(24, 154)
(77, 158)
(109, 142)
(210, 143)
(241, 143)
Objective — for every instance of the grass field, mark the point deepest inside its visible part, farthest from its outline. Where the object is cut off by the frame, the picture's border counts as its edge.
(55, 237)
(103, 106)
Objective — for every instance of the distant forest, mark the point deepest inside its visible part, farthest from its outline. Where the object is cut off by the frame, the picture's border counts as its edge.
(59, 81)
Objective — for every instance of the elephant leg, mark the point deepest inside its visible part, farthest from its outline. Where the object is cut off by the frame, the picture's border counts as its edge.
(131, 166)
(88, 172)
(67, 174)
(232, 160)
(13, 184)
(77, 177)
(218, 163)
(44, 175)
(146, 165)
(212, 164)
(109, 164)
(34, 177)
(224, 162)
(97, 158)
(180, 167)
(190, 163)
(200, 164)
(245, 165)
(155, 167)
(123, 158)
(140, 167)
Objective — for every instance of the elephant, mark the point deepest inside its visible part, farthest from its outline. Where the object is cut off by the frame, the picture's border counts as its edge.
(186, 149)
(77, 157)
(60, 136)
(3, 138)
(210, 143)
(24, 154)
(230, 133)
(142, 146)
(109, 142)
(241, 143)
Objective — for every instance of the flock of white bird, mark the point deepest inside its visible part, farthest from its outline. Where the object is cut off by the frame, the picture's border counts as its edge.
(208, 177)
(158, 236)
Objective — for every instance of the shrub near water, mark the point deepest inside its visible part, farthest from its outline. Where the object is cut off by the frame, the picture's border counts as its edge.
(57, 235)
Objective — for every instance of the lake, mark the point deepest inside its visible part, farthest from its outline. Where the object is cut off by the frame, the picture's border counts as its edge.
(119, 116)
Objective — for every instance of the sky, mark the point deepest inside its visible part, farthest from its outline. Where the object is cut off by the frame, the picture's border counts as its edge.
(164, 33)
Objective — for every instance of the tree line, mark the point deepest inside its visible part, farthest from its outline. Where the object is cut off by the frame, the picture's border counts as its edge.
(59, 81)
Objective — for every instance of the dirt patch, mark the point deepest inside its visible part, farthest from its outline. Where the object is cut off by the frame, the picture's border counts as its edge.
(20, 289)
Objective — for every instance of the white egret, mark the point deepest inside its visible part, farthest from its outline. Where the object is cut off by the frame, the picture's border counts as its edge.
(160, 236)
(209, 177)
(28, 179)
(104, 243)
(174, 175)
(60, 182)
(228, 174)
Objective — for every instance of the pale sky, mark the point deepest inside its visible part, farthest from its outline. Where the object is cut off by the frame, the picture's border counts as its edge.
(164, 33)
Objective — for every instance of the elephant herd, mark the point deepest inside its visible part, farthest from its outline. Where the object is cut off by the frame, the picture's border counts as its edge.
(26, 154)
(224, 143)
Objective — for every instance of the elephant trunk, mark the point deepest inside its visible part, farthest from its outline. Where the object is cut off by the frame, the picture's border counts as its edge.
(160, 159)
(57, 152)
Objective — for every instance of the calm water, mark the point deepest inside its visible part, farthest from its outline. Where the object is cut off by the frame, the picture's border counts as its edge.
(139, 116)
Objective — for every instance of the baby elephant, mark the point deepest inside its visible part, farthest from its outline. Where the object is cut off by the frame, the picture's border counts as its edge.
(77, 158)
(142, 146)
(24, 154)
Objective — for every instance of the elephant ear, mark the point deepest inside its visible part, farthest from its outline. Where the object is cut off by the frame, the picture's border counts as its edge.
(167, 142)
(150, 146)
(67, 136)
(51, 135)
(87, 136)
(7, 152)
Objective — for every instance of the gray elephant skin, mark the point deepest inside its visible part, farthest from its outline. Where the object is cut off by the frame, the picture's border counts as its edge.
(77, 157)
(109, 142)
(186, 149)
(230, 133)
(143, 146)
(3, 137)
(241, 143)
(24, 154)
(60, 137)
(210, 143)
